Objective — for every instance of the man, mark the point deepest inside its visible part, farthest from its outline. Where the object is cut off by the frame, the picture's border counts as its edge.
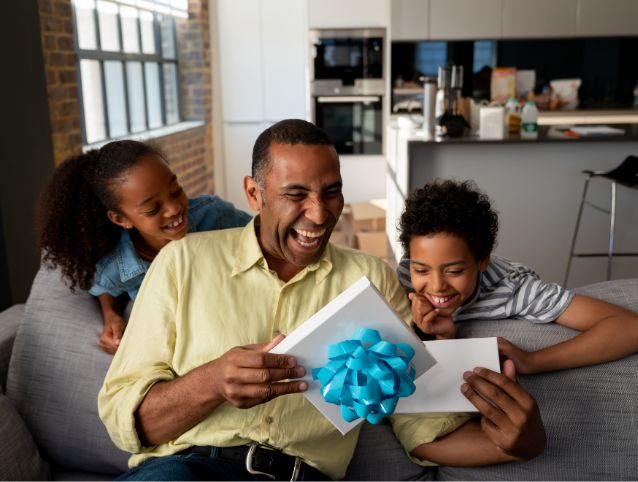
(193, 392)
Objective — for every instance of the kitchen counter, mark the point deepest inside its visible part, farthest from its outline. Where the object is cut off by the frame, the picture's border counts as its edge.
(535, 185)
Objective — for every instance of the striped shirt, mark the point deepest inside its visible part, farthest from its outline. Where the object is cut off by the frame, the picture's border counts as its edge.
(507, 290)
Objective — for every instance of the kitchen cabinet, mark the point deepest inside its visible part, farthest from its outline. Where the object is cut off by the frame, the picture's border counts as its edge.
(348, 13)
(263, 56)
(465, 19)
(607, 18)
(540, 18)
(410, 19)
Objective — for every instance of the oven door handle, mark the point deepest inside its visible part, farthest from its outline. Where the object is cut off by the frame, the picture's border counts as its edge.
(348, 99)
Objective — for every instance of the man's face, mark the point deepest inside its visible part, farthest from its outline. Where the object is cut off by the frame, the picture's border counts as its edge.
(299, 206)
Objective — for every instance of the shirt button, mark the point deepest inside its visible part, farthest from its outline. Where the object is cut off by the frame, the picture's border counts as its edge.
(269, 420)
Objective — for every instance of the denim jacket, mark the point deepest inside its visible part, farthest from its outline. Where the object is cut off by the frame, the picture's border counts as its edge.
(122, 270)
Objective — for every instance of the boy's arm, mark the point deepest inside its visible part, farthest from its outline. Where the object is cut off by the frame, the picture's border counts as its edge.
(609, 332)
(113, 322)
(510, 428)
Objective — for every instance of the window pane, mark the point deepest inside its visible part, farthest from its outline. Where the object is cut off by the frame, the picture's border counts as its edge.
(153, 97)
(148, 34)
(135, 84)
(115, 99)
(168, 40)
(94, 125)
(130, 29)
(107, 17)
(171, 95)
(85, 23)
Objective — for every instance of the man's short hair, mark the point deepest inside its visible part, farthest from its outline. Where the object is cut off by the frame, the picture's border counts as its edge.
(451, 207)
(288, 131)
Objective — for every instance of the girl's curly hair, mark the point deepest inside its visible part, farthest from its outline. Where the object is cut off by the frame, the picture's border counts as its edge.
(73, 225)
(452, 207)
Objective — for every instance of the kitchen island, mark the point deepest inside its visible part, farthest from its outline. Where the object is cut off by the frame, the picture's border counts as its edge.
(536, 186)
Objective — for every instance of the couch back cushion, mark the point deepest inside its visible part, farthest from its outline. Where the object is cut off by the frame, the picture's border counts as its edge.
(55, 373)
(590, 413)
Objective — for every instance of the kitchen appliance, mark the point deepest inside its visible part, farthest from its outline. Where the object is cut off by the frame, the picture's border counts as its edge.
(348, 87)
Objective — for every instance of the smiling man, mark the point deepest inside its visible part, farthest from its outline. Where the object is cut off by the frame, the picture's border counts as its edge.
(193, 391)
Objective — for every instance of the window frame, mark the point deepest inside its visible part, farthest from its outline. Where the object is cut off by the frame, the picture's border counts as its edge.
(102, 56)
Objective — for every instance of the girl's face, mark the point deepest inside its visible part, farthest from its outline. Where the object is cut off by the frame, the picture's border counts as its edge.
(153, 202)
(444, 270)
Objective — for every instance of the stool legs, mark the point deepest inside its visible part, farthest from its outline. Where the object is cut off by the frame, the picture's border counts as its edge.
(612, 226)
(580, 213)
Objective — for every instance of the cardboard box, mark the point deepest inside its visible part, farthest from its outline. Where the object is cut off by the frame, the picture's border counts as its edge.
(374, 243)
(359, 306)
(367, 216)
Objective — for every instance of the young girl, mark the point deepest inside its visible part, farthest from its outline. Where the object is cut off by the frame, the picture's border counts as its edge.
(448, 232)
(104, 215)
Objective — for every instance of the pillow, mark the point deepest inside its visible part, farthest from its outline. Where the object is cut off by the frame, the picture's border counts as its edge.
(19, 457)
(55, 374)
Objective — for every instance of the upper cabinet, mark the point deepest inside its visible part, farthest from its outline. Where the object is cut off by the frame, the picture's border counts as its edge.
(410, 19)
(465, 19)
(607, 18)
(540, 18)
(263, 57)
(348, 13)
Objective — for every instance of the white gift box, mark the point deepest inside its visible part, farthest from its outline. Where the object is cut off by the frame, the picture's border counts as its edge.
(359, 306)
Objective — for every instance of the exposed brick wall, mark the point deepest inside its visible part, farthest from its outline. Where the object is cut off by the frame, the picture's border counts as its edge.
(190, 152)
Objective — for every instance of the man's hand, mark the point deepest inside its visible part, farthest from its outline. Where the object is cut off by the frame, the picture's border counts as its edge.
(511, 419)
(523, 360)
(112, 333)
(428, 320)
(248, 375)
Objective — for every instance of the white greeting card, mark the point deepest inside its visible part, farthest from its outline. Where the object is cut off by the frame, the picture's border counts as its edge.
(439, 389)
(359, 306)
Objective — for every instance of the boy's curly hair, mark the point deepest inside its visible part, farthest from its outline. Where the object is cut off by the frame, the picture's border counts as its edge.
(452, 207)
(73, 225)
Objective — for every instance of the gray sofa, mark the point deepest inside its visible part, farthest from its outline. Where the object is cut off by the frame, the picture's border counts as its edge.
(51, 370)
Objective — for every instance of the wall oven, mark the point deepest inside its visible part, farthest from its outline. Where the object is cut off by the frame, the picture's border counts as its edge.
(348, 87)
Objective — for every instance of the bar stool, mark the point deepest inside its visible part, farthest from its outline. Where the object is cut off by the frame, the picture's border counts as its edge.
(626, 174)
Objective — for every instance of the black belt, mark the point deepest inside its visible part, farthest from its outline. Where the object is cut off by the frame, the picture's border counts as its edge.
(261, 460)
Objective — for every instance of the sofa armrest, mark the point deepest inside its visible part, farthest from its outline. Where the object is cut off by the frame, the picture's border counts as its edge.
(10, 320)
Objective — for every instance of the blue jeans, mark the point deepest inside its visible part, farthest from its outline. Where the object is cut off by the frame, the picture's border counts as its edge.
(189, 467)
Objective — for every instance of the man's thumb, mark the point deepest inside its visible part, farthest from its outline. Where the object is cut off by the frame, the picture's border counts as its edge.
(509, 369)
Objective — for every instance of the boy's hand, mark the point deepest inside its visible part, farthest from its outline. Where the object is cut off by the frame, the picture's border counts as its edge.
(523, 360)
(511, 418)
(112, 333)
(428, 320)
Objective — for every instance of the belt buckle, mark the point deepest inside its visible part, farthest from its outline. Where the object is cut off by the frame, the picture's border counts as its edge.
(249, 463)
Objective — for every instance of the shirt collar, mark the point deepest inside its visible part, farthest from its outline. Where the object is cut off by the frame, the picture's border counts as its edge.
(248, 254)
(129, 262)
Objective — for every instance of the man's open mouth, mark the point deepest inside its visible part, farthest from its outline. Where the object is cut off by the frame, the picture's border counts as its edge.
(306, 238)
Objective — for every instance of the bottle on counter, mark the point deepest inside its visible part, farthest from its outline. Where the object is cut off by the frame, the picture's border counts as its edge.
(441, 105)
(529, 121)
(429, 106)
(513, 116)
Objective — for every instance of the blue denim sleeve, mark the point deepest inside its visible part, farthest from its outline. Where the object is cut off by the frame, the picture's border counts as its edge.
(208, 213)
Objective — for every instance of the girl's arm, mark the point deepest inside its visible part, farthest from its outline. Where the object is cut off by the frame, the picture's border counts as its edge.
(609, 332)
(113, 330)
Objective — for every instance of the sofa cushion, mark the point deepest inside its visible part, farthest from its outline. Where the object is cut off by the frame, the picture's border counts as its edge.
(590, 413)
(55, 373)
(10, 320)
(19, 456)
(380, 456)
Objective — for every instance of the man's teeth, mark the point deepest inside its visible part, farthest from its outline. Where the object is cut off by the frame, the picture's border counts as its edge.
(311, 234)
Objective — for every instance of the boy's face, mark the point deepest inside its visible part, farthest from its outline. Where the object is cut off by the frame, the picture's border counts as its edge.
(444, 270)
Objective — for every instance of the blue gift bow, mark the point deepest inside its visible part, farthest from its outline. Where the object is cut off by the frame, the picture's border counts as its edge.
(366, 375)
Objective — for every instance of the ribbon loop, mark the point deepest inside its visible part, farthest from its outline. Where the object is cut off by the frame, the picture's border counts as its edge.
(366, 375)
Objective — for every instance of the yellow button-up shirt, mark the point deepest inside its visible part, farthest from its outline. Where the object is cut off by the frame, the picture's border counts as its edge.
(212, 291)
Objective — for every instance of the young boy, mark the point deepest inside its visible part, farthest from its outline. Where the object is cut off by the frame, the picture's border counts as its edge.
(448, 232)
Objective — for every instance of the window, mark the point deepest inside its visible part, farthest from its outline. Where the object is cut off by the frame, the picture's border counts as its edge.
(429, 56)
(127, 56)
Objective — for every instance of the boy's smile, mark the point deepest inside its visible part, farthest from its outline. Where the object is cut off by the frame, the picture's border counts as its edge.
(444, 270)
